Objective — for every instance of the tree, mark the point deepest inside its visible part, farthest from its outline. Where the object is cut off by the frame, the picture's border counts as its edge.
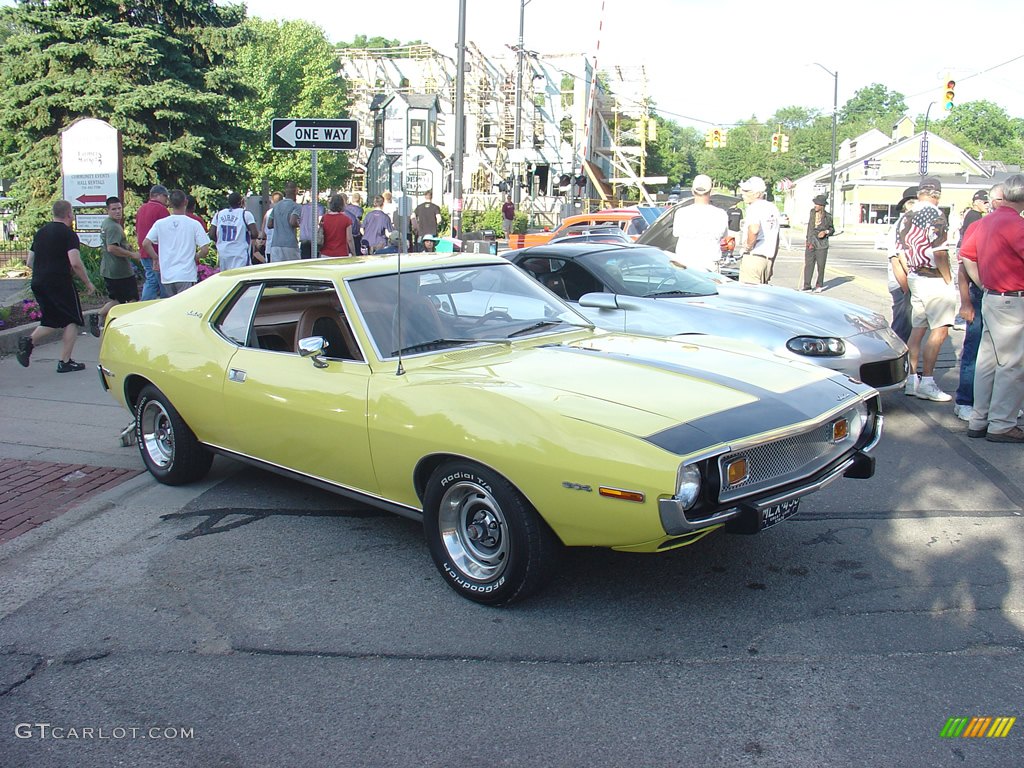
(362, 41)
(810, 139)
(673, 152)
(872, 107)
(154, 70)
(983, 130)
(290, 68)
(747, 153)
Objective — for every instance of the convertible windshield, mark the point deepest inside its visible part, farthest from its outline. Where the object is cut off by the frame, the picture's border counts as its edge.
(640, 271)
(434, 309)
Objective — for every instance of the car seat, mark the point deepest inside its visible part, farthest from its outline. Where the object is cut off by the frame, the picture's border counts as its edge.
(420, 322)
(328, 324)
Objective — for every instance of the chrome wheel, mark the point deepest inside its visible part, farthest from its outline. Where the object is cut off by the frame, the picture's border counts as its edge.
(156, 433)
(474, 531)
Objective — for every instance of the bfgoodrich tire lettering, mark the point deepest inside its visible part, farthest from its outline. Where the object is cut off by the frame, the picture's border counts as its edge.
(487, 541)
(168, 447)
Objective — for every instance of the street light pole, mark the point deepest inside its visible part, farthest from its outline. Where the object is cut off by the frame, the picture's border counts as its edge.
(835, 109)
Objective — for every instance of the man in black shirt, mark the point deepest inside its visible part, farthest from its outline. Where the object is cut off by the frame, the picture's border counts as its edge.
(426, 219)
(53, 257)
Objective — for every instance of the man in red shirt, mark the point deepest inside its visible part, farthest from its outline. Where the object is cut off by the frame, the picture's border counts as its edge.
(508, 216)
(148, 214)
(993, 255)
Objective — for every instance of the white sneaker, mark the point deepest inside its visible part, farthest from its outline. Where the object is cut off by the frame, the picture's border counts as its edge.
(927, 389)
(910, 386)
(963, 412)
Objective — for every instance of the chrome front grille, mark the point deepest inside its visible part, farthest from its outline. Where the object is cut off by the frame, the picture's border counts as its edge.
(783, 461)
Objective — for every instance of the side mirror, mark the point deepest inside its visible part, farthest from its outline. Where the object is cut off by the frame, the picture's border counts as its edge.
(313, 348)
(610, 301)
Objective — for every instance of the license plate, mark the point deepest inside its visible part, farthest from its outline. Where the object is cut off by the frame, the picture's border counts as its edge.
(778, 512)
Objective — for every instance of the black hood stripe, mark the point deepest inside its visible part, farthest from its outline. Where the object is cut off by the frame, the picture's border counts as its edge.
(770, 411)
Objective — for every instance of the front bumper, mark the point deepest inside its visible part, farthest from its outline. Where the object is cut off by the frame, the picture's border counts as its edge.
(676, 522)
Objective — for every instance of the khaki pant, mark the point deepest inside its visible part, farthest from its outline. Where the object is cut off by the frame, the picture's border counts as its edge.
(756, 269)
(999, 372)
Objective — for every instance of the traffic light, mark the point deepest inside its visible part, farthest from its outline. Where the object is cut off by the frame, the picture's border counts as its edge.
(775, 142)
(716, 138)
(709, 139)
(783, 143)
(947, 95)
(724, 135)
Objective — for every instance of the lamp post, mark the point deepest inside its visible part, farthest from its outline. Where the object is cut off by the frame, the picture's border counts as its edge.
(835, 109)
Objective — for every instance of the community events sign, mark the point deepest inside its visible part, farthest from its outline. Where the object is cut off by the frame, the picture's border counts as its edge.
(90, 159)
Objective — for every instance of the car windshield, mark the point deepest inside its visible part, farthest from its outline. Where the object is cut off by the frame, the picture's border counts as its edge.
(639, 271)
(443, 307)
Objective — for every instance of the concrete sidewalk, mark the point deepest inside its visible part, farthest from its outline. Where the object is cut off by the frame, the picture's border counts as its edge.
(59, 438)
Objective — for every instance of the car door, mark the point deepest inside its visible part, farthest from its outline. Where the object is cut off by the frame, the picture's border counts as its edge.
(280, 407)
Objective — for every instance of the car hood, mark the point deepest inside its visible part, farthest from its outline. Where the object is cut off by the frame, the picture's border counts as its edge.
(762, 314)
(791, 309)
(642, 385)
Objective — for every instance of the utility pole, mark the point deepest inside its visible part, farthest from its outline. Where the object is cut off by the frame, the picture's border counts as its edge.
(518, 121)
(835, 109)
(460, 130)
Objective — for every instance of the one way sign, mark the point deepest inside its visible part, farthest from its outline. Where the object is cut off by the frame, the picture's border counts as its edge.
(302, 133)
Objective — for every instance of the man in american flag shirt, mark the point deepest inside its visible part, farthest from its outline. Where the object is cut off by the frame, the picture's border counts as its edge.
(922, 248)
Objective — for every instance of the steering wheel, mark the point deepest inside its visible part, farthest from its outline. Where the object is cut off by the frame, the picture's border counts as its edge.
(494, 314)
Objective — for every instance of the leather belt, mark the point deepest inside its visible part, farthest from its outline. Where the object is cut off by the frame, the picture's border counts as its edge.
(1005, 293)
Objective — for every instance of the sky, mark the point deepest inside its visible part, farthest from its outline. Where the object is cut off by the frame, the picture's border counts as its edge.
(714, 63)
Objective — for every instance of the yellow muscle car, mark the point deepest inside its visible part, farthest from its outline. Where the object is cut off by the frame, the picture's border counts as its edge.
(456, 390)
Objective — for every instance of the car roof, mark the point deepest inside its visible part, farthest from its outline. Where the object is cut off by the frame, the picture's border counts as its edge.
(616, 214)
(344, 268)
(570, 250)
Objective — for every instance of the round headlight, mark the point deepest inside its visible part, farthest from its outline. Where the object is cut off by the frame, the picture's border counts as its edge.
(817, 346)
(688, 485)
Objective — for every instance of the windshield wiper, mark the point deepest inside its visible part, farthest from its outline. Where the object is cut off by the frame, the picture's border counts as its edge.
(536, 327)
(425, 345)
(675, 293)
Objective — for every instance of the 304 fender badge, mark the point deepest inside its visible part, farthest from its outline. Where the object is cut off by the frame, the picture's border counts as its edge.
(577, 487)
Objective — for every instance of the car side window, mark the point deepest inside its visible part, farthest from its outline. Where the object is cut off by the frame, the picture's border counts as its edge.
(571, 281)
(286, 312)
(636, 226)
(236, 322)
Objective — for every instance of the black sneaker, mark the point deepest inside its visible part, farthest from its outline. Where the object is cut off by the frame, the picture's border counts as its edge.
(94, 325)
(25, 347)
(70, 365)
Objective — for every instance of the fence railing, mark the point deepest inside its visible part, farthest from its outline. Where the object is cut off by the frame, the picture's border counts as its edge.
(12, 257)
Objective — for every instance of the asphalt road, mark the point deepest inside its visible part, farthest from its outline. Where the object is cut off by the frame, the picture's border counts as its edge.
(257, 622)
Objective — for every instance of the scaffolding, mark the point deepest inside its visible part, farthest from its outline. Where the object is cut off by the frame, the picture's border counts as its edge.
(623, 114)
(490, 103)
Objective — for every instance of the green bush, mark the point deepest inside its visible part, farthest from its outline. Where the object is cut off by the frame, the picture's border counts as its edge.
(446, 221)
(474, 221)
(91, 261)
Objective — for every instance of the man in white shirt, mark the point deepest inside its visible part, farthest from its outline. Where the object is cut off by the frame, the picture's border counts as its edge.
(307, 228)
(182, 243)
(699, 229)
(233, 229)
(762, 233)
